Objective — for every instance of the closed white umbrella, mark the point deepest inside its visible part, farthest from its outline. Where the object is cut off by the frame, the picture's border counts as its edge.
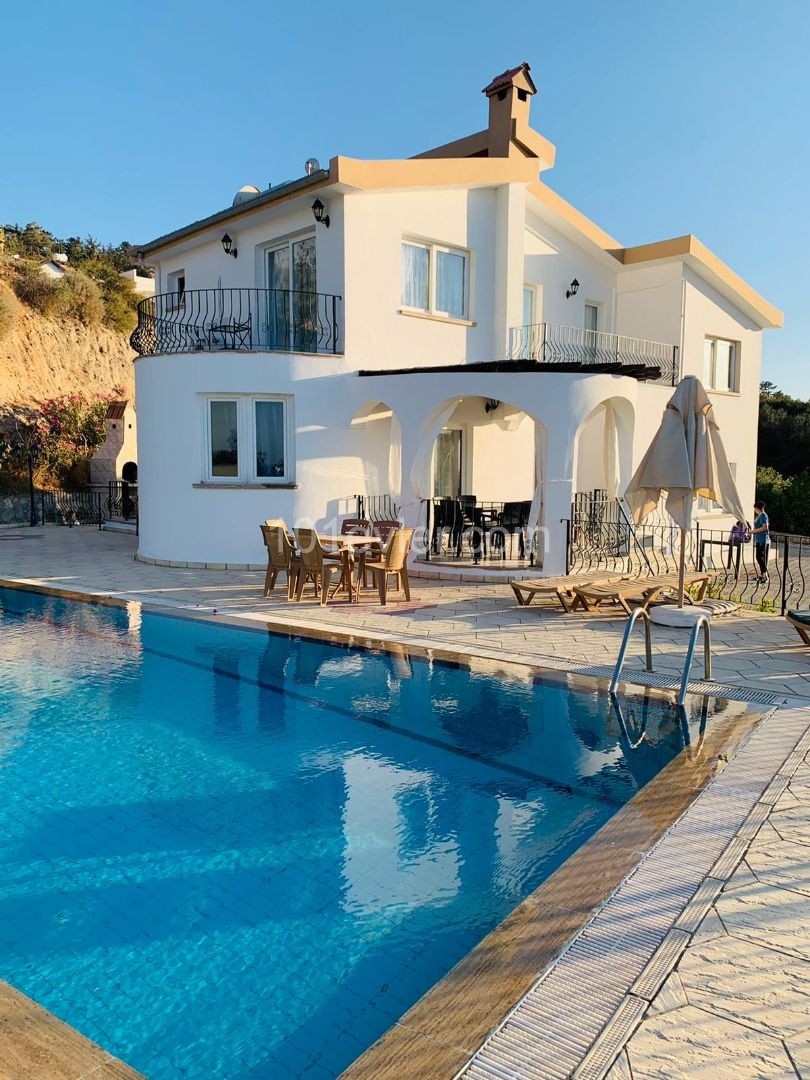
(685, 459)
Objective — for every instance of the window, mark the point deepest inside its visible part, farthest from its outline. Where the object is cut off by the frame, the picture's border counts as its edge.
(707, 506)
(721, 364)
(177, 288)
(435, 279)
(591, 317)
(248, 440)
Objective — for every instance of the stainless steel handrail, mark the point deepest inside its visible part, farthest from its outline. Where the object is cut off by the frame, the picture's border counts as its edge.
(614, 682)
(701, 621)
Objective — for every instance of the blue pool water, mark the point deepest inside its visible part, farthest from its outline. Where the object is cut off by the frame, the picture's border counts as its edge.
(229, 854)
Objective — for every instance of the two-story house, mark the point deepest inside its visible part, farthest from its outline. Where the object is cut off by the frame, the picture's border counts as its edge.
(443, 325)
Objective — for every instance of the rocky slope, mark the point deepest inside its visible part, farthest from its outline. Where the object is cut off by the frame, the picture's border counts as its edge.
(42, 357)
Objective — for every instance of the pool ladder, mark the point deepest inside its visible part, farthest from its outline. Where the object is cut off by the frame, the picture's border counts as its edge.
(702, 621)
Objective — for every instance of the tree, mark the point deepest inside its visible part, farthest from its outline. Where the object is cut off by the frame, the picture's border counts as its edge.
(22, 447)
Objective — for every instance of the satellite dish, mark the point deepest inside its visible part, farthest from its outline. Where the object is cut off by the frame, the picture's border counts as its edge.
(245, 193)
(312, 165)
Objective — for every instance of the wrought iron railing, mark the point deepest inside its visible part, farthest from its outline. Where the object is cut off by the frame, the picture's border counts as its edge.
(71, 508)
(616, 547)
(376, 507)
(573, 347)
(122, 500)
(200, 320)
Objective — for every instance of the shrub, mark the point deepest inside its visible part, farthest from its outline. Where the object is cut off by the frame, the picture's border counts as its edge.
(82, 299)
(8, 312)
(39, 292)
(120, 298)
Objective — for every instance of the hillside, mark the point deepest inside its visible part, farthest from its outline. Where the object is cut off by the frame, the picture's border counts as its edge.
(41, 357)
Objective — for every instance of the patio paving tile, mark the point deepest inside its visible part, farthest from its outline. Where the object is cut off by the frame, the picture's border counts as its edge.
(691, 1042)
(755, 985)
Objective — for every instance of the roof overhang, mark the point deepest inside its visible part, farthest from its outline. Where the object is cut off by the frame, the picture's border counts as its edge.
(712, 269)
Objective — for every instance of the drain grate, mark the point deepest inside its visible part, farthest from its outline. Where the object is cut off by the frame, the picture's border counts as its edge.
(634, 677)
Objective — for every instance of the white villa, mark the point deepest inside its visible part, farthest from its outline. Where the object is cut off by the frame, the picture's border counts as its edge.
(438, 327)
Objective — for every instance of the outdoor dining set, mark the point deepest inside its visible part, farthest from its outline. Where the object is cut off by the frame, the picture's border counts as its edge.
(362, 555)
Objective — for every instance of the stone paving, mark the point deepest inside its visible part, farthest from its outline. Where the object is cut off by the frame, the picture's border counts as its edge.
(738, 1002)
(752, 650)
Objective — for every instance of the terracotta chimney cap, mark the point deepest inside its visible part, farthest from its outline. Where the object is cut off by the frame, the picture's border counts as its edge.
(518, 76)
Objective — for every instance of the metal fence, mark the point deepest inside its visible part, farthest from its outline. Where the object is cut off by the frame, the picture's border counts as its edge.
(574, 347)
(376, 508)
(71, 508)
(199, 320)
(615, 546)
(122, 500)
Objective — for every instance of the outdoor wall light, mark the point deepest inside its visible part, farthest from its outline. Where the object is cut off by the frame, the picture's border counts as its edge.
(227, 246)
(572, 289)
(320, 216)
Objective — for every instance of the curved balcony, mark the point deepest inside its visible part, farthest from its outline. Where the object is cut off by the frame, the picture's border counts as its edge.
(570, 348)
(202, 320)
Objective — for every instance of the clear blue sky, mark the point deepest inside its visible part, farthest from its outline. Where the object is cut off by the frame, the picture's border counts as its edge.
(127, 119)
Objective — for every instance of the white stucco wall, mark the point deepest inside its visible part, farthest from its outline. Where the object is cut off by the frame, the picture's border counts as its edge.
(359, 257)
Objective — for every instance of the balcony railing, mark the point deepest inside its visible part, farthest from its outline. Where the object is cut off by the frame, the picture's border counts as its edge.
(199, 320)
(569, 347)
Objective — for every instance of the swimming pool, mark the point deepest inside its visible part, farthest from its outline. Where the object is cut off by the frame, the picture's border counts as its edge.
(231, 853)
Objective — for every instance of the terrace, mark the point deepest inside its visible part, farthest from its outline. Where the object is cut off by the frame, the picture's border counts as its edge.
(723, 937)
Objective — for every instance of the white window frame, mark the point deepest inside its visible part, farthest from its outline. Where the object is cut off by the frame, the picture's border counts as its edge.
(734, 387)
(706, 507)
(287, 241)
(246, 440)
(173, 280)
(597, 307)
(433, 247)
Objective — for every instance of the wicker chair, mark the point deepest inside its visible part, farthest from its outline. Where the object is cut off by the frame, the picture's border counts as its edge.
(317, 565)
(281, 557)
(393, 561)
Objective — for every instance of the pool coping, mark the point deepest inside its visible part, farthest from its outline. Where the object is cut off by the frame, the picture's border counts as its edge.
(460, 1019)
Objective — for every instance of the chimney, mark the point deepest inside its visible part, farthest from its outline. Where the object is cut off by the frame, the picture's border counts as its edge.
(509, 95)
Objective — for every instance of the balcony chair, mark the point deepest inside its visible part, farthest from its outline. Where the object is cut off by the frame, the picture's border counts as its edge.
(281, 557)
(514, 519)
(448, 516)
(318, 565)
(393, 561)
(355, 527)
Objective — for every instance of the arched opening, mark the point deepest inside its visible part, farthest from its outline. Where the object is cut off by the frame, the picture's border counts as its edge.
(129, 472)
(603, 449)
(603, 457)
(380, 452)
(479, 475)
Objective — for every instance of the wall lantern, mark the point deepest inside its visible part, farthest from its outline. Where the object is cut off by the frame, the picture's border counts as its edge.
(572, 289)
(318, 212)
(491, 405)
(227, 246)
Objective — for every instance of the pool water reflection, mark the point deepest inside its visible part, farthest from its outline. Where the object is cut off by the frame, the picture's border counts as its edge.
(226, 853)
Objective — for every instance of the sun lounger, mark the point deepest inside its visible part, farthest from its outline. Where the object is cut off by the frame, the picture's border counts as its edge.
(562, 588)
(643, 591)
(800, 621)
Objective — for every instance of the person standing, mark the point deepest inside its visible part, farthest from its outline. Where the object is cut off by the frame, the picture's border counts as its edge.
(762, 541)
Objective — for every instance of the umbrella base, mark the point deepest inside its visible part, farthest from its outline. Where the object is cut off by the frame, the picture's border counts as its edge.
(672, 615)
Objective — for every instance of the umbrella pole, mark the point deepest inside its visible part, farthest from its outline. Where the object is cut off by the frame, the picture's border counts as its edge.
(682, 568)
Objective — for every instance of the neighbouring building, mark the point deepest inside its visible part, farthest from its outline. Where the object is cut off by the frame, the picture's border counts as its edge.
(56, 267)
(439, 327)
(117, 457)
(143, 286)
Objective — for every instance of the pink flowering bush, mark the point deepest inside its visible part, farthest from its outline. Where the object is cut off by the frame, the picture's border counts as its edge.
(71, 428)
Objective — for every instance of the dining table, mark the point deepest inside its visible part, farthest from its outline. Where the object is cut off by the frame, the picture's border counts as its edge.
(349, 545)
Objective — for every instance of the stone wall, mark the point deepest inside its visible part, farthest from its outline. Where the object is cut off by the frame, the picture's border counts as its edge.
(16, 509)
